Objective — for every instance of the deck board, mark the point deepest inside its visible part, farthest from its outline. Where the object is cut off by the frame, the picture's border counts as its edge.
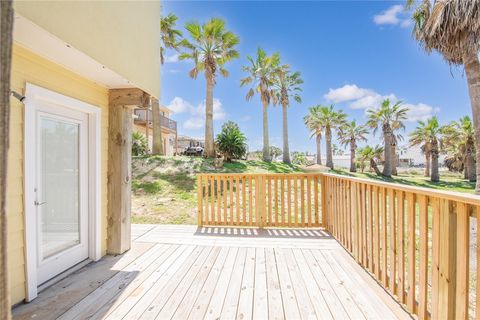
(181, 272)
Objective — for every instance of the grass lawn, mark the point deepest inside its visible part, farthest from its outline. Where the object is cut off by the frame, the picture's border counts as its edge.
(449, 181)
(164, 188)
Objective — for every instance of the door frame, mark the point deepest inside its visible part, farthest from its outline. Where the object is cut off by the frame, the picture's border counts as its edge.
(35, 94)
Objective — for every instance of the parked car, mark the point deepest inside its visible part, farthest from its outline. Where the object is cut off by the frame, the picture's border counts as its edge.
(194, 151)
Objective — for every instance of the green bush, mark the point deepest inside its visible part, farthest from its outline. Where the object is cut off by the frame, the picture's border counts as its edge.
(299, 158)
(139, 144)
(231, 142)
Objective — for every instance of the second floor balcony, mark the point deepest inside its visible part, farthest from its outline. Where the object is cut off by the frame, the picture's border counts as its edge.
(143, 116)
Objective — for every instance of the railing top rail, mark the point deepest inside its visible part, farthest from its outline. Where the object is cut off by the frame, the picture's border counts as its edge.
(220, 174)
(449, 195)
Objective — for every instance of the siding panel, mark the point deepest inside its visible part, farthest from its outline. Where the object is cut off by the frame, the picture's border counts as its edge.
(29, 67)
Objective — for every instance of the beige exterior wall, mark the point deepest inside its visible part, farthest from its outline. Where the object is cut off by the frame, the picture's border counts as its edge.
(29, 67)
(167, 136)
(114, 33)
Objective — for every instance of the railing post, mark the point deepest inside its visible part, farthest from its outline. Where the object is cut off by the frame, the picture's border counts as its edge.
(323, 191)
(260, 200)
(447, 261)
(200, 200)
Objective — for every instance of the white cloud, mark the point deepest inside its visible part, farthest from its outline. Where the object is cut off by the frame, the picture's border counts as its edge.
(196, 118)
(389, 16)
(363, 98)
(173, 58)
(346, 93)
(420, 111)
(179, 105)
(194, 123)
(395, 15)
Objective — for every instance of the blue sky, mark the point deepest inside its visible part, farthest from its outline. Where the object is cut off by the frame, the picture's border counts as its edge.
(350, 53)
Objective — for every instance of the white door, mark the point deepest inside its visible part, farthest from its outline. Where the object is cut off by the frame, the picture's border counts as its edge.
(61, 189)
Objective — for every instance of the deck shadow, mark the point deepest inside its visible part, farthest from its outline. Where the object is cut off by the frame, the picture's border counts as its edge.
(285, 233)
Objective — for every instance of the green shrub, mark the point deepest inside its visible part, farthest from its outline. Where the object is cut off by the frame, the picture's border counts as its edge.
(299, 158)
(231, 142)
(139, 144)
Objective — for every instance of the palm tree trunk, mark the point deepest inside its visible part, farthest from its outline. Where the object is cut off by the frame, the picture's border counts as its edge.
(472, 69)
(387, 165)
(209, 147)
(394, 160)
(266, 145)
(427, 164)
(319, 148)
(374, 166)
(157, 144)
(434, 174)
(465, 166)
(328, 136)
(6, 26)
(353, 167)
(286, 151)
(469, 165)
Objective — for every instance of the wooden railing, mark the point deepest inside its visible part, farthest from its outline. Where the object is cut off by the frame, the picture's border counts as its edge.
(414, 241)
(261, 200)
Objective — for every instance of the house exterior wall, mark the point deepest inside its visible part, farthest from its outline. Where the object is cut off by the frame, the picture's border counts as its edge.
(29, 67)
(111, 32)
(167, 136)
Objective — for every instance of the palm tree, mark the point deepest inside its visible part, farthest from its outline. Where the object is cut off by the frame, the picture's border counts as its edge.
(350, 133)
(372, 155)
(316, 128)
(433, 131)
(329, 119)
(212, 47)
(452, 28)
(390, 118)
(287, 85)
(261, 74)
(419, 137)
(169, 36)
(459, 143)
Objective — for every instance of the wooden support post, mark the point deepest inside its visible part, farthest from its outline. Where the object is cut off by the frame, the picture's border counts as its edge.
(147, 129)
(121, 104)
(6, 25)
(447, 261)
(157, 144)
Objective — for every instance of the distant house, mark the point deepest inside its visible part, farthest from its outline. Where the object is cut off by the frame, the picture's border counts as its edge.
(143, 124)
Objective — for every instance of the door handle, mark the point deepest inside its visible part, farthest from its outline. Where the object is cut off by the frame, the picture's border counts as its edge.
(39, 203)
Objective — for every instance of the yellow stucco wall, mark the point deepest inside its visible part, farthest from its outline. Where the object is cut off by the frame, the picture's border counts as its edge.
(114, 33)
(29, 67)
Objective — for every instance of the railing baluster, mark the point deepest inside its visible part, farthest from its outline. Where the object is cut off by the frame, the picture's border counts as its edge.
(237, 200)
(423, 257)
(200, 200)
(315, 191)
(463, 258)
(401, 245)
(411, 223)
(392, 235)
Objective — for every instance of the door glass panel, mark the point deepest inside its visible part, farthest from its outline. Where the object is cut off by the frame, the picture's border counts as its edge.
(59, 186)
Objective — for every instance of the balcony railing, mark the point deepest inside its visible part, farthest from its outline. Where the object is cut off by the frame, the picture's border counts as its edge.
(141, 117)
(414, 241)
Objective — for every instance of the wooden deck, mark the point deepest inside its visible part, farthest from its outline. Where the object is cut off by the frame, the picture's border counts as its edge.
(181, 272)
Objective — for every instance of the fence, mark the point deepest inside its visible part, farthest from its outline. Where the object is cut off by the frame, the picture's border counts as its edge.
(414, 241)
(276, 200)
